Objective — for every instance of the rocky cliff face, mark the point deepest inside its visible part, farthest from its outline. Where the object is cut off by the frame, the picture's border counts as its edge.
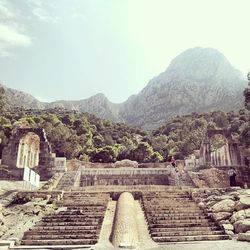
(15, 98)
(198, 80)
(97, 104)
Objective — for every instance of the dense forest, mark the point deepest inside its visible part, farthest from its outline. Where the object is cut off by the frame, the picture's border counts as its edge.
(88, 138)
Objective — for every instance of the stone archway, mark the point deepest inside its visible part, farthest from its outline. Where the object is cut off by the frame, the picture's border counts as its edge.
(29, 147)
(227, 154)
(28, 151)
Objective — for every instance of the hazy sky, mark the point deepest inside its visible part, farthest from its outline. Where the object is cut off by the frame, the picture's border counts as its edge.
(72, 49)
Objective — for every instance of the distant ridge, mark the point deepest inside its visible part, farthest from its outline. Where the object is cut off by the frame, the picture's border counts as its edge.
(197, 80)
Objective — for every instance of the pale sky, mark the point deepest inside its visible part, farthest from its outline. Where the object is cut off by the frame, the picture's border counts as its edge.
(73, 49)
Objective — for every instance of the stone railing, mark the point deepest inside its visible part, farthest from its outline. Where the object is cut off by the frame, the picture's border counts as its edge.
(128, 188)
(126, 171)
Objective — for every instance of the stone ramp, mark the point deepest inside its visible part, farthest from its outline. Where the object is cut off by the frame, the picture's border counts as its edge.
(174, 217)
(79, 224)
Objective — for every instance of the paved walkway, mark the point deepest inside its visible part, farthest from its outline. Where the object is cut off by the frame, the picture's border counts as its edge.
(208, 245)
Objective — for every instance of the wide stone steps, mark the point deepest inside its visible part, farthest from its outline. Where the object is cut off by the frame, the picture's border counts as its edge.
(74, 219)
(172, 214)
(185, 233)
(70, 223)
(174, 204)
(173, 210)
(90, 214)
(59, 236)
(173, 225)
(188, 221)
(64, 228)
(190, 238)
(184, 229)
(78, 226)
(61, 231)
(69, 204)
(174, 198)
(176, 217)
(60, 242)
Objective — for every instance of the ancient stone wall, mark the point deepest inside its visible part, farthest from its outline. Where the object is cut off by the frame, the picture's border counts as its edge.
(124, 176)
(217, 177)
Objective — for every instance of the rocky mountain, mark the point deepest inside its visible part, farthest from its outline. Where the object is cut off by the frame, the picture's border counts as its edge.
(97, 104)
(15, 98)
(198, 80)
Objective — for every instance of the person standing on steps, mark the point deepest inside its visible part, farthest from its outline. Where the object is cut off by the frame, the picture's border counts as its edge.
(232, 174)
(175, 171)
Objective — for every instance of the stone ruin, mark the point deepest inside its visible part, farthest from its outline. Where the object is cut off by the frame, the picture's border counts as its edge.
(229, 154)
(124, 205)
(29, 147)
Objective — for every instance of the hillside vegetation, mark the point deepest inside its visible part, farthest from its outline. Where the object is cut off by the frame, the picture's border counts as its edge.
(86, 137)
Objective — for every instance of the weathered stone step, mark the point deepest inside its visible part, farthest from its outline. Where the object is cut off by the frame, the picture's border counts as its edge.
(99, 203)
(185, 233)
(190, 238)
(60, 242)
(60, 216)
(180, 206)
(82, 211)
(67, 227)
(168, 221)
(87, 210)
(164, 193)
(181, 198)
(173, 210)
(170, 205)
(63, 231)
(177, 217)
(173, 225)
(70, 223)
(162, 214)
(59, 236)
(73, 219)
(183, 229)
(82, 207)
(72, 204)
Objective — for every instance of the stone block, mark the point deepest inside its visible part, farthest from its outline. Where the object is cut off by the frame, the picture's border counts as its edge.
(226, 205)
(242, 226)
(221, 216)
(228, 227)
(240, 215)
(229, 232)
(243, 203)
(244, 236)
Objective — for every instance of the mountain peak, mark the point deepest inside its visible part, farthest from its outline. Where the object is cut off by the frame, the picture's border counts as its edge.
(202, 63)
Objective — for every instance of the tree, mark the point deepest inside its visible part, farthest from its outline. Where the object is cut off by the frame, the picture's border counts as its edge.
(142, 153)
(2, 101)
(247, 93)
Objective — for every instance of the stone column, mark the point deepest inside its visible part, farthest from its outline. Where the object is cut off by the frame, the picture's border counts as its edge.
(19, 155)
(125, 234)
(206, 154)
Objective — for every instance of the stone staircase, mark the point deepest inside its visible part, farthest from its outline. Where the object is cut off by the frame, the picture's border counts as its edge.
(79, 224)
(174, 217)
(67, 181)
(180, 177)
